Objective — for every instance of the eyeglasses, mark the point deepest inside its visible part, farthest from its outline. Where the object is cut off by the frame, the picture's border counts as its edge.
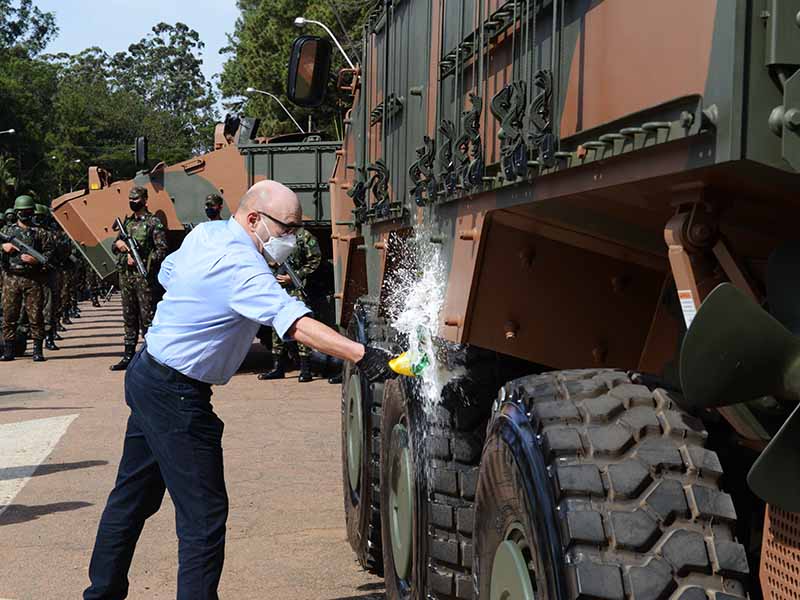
(288, 228)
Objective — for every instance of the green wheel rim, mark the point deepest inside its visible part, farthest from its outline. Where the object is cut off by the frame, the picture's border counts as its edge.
(401, 501)
(355, 431)
(511, 579)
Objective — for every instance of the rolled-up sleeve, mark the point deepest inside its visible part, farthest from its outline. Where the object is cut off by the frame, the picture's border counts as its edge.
(256, 295)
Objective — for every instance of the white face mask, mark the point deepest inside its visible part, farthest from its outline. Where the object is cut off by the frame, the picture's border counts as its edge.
(277, 249)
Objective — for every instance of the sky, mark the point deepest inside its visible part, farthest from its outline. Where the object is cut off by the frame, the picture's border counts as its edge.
(115, 24)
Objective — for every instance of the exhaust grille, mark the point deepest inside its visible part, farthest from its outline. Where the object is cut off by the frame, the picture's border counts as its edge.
(780, 555)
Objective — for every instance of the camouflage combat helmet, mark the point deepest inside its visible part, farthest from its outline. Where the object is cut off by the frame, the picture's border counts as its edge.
(24, 202)
(214, 200)
(137, 193)
(41, 209)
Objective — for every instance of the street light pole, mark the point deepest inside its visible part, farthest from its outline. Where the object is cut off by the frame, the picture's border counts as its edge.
(302, 22)
(77, 161)
(252, 90)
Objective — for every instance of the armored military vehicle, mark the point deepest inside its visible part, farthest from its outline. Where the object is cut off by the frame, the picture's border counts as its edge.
(177, 193)
(613, 187)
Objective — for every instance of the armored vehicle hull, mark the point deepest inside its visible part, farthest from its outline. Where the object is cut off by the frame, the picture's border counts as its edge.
(589, 172)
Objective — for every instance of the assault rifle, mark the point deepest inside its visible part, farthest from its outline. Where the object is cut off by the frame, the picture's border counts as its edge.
(23, 247)
(285, 269)
(133, 246)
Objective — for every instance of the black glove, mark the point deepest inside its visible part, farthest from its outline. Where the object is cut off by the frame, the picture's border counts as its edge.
(374, 365)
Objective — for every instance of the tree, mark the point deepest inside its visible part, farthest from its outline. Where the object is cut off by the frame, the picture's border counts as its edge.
(259, 49)
(165, 69)
(25, 28)
(8, 180)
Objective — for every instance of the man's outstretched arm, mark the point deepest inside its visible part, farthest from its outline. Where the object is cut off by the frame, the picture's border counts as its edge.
(373, 362)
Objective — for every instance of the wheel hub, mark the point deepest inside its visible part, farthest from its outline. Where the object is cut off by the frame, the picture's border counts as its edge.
(355, 431)
(511, 578)
(401, 499)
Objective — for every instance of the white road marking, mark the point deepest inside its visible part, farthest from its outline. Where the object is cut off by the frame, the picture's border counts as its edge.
(23, 447)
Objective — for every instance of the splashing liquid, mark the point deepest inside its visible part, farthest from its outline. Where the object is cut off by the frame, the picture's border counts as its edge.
(415, 302)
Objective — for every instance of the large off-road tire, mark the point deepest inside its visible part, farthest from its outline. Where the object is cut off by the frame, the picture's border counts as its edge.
(361, 421)
(429, 469)
(593, 487)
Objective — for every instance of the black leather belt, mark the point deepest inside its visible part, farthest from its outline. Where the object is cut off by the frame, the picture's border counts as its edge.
(171, 373)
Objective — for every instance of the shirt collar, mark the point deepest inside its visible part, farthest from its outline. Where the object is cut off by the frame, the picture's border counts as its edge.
(239, 234)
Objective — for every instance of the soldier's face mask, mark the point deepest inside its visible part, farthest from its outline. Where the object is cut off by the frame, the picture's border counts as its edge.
(136, 204)
(212, 212)
(277, 249)
(25, 216)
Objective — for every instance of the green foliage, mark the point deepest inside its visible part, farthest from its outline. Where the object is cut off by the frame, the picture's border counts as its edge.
(7, 179)
(259, 49)
(73, 111)
(25, 28)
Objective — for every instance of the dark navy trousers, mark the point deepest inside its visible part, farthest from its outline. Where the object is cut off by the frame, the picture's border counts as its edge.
(173, 442)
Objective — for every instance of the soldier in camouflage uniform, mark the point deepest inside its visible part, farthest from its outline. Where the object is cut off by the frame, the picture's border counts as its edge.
(304, 260)
(9, 219)
(138, 292)
(25, 280)
(214, 207)
(61, 247)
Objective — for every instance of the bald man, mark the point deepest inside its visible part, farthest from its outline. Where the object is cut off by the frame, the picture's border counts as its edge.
(219, 291)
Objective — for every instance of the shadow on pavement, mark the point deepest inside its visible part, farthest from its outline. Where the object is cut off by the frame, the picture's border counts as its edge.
(96, 327)
(68, 337)
(13, 392)
(62, 346)
(21, 513)
(367, 597)
(10, 408)
(47, 469)
(51, 356)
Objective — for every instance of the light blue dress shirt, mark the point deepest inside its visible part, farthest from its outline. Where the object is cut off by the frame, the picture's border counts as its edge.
(219, 291)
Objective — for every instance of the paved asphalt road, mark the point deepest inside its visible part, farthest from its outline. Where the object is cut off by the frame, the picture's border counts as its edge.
(61, 428)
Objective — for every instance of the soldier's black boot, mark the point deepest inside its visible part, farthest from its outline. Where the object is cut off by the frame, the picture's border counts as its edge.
(57, 336)
(305, 370)
(8, 351)
(95, 302)
(335, 379)
(130, 350)
(38, 353)
(66, 319)
(50, 342)
(278, 370)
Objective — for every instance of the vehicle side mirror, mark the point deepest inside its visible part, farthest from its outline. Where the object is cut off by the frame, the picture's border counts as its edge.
(141, 151)
(309, 69)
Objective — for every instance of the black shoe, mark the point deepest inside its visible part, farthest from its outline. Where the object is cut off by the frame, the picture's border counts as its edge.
(49, 342)
(130, 350)
(60, 328)
(38, 353)
(95, 302)
(277, 372)
(8, 351)
(57, 336)
(66, 321)
(305, 370)
(336, 379)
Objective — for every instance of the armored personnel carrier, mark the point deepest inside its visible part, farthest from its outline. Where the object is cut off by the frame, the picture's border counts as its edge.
(613, 188)
(177, 193)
